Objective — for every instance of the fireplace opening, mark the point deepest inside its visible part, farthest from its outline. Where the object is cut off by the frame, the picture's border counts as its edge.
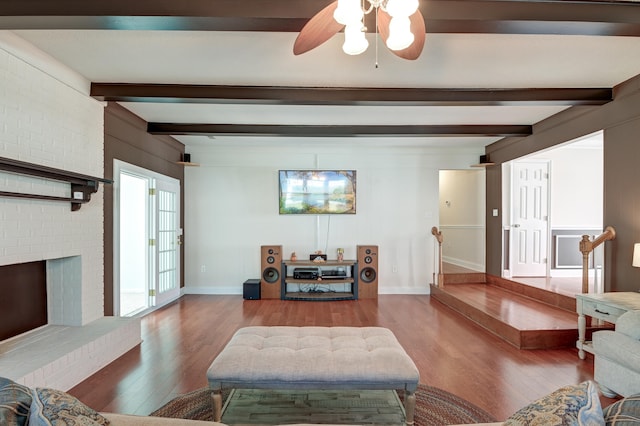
(23, 298)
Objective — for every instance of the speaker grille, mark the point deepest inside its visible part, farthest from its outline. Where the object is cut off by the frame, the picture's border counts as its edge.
(367, 275)
(271, 275)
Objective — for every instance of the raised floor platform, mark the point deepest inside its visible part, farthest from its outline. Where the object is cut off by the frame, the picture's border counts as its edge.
(62, 356)
(525, 316)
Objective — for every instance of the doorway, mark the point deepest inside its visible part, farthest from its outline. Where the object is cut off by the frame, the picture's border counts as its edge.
(462, 220)
(147, 238)
(552, 259)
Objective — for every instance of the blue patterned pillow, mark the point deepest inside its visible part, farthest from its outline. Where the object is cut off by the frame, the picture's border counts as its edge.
(570, 405)
(625, 412)
(15, 400)
(53, 407)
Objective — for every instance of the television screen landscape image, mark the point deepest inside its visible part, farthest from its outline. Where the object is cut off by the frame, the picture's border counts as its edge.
(317, 191)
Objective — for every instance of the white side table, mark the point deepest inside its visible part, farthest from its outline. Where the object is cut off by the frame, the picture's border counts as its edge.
(604, 306)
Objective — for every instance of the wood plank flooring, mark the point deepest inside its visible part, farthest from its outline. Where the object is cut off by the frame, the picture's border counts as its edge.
(452, 353)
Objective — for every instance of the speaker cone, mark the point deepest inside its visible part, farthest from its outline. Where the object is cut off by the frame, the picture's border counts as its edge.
(271, 275)
(271, 259)
(368, 259)
(368, 275)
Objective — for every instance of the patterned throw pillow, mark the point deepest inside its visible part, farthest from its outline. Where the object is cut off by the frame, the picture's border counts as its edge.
(570, 405)
(53, 407)
(15, 400)
(625, 412)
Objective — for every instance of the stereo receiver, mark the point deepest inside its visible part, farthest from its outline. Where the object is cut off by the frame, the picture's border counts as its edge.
(306, 273)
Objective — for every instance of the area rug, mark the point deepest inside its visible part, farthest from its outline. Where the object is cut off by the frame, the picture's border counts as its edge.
(434, 407)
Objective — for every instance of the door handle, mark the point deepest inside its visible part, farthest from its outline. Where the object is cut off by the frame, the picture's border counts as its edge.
(517, 225)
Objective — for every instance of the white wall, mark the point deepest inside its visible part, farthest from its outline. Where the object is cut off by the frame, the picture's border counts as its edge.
(576, 186)
(231, 209)
(462, 217)
(47, 118)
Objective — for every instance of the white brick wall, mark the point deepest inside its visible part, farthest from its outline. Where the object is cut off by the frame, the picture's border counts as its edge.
(45, 121)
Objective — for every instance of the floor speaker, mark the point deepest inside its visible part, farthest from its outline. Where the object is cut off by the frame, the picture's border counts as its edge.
(271, 263)
(367, 272)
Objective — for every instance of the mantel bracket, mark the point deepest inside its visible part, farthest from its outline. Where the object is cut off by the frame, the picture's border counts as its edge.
(82, 186)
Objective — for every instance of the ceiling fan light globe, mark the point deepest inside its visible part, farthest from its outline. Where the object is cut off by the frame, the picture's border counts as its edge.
(399, 8)
(400, 35)
(355, 41)
(348, 12)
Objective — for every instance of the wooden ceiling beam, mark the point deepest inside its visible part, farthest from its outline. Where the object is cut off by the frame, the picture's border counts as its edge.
(177, 129)
(177, 93)
(441, 16)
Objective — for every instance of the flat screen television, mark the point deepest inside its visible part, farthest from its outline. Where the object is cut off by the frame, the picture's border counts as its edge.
(317, 191)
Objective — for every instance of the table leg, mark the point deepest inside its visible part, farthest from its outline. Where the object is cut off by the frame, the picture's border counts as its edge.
(217, 404)
(582, 333)
(409, 406)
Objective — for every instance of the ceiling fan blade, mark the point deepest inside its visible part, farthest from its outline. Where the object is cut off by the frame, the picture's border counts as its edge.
(417, 28)
(320, 28)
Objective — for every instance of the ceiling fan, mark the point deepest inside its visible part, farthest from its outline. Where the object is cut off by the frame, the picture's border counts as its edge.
(399, 23)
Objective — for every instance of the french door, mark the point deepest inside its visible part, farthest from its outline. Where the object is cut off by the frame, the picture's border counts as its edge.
(147, 238)
(168, 240)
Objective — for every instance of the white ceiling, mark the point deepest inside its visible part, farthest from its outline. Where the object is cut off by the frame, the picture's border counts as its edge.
(266, 59)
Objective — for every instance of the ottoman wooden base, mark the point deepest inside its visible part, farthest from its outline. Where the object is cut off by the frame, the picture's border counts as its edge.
(314, 358)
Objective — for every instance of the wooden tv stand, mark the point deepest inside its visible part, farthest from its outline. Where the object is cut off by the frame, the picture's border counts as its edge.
(325, 287)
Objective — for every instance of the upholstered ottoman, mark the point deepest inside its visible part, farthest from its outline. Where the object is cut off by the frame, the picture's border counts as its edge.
(359, 358)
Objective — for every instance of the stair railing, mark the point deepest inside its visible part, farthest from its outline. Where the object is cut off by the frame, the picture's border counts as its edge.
(438, 235)
(587, 246)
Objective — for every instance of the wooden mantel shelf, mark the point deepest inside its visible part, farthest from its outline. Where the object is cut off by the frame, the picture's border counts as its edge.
(82, 186)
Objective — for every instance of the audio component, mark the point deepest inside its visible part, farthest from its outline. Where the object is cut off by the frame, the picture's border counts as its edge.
(251, 289)
(306, 273)
(336, 273)
(271, 262)
(367, 272)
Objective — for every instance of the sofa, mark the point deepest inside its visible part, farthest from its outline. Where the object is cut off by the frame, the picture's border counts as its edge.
(22, 406)
(573, 404)
(617, 356)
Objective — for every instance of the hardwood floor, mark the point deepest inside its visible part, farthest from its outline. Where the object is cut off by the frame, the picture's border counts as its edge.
(182, 339)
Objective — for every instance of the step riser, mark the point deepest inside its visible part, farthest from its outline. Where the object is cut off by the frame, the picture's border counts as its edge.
(561, 301)
(521, 339)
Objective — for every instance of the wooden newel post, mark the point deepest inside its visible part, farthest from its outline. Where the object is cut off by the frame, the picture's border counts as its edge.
(439, 238)
(585, 247)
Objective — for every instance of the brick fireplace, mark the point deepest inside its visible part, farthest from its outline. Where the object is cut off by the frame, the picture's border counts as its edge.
(44, 341)
(34, 294)
(23, 298)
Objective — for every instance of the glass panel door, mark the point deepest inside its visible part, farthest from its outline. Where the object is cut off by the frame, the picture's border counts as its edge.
(168, 241)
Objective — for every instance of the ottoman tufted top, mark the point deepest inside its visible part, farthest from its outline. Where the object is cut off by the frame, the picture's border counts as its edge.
(314, 357)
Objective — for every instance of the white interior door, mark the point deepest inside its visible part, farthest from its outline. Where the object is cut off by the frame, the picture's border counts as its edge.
(529, 219)
(168, 240)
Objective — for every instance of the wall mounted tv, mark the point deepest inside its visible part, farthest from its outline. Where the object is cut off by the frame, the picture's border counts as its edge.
(317, 191)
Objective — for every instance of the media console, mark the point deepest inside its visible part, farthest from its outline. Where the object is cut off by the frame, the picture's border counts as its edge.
(328, 280)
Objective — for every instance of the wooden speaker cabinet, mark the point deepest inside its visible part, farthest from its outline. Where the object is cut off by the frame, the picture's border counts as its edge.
(270, 281)
(367, 272)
